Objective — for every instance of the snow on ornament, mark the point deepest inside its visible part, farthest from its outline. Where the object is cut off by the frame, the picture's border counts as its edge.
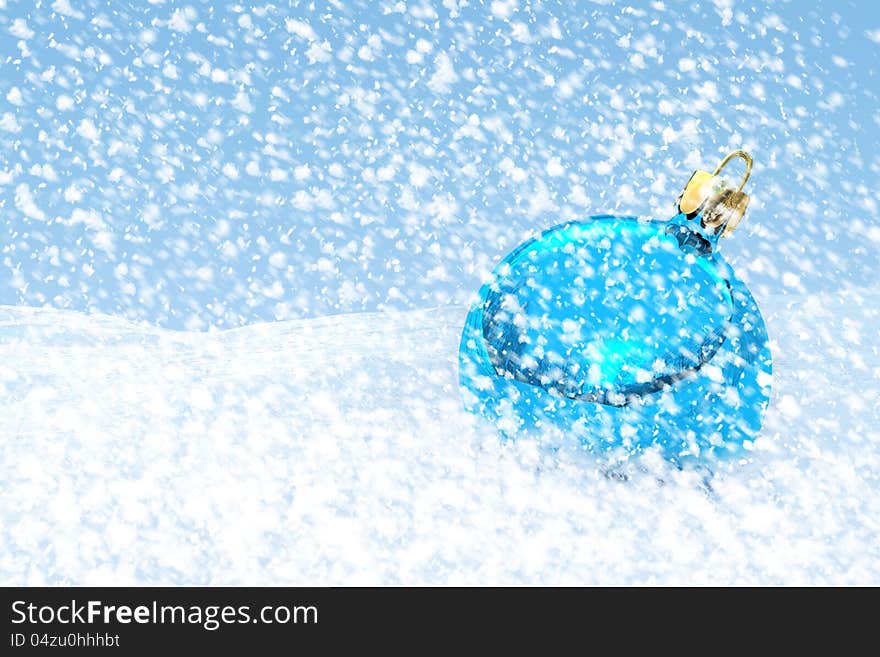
(625, 332)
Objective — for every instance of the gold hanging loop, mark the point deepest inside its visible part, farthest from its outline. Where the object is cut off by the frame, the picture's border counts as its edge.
(748, 160)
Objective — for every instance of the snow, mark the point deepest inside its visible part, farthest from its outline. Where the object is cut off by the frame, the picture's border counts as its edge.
(335, 451)
(237, 244)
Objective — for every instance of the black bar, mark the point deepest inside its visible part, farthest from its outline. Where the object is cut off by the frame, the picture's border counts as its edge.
(324, 620)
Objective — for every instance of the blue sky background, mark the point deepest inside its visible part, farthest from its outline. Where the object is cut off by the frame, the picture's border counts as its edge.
(194, 166)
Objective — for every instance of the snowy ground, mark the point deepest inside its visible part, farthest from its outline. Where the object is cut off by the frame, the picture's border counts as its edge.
(335, 451)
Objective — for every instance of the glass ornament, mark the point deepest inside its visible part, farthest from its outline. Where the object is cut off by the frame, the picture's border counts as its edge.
(624, 332)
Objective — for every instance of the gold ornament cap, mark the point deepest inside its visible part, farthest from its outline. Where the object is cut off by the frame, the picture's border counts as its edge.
(719, 205)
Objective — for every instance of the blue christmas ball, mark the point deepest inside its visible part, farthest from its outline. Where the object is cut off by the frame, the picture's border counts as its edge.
(622, 332)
